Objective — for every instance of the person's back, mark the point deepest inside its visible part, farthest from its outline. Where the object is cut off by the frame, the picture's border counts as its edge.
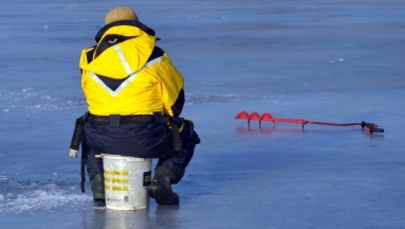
(135, 96)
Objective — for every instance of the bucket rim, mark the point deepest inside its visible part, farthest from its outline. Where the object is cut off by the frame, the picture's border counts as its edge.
(129, 158)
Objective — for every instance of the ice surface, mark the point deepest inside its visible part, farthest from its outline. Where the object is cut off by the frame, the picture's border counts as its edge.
(332, 61)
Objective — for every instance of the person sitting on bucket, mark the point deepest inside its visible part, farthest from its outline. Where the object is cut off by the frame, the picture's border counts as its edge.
(135, 96)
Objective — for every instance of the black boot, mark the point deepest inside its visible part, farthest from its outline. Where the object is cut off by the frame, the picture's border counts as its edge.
(160, 188)
(97, 187)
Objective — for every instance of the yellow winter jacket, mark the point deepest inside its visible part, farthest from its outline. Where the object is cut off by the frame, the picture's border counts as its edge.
(126, 74)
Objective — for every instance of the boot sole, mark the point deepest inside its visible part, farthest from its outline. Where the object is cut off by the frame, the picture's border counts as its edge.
(162, 197)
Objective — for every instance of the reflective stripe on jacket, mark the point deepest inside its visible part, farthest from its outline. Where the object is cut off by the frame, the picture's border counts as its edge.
(126, 74)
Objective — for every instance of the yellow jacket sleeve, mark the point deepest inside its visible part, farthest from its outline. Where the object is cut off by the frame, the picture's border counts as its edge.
(172, 87)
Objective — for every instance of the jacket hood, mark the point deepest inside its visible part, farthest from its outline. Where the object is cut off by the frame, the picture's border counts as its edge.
(122, 58)
(138, 24)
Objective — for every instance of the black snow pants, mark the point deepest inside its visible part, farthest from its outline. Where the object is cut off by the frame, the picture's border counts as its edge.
(143, 138)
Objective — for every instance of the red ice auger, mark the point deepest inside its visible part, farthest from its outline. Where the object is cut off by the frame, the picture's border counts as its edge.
(369, 127)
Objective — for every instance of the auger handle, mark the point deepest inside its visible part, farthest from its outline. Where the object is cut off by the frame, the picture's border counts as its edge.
(373, 128)
(377, 130)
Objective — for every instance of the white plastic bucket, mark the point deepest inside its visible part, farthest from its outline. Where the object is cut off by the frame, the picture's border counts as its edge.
(125, 181)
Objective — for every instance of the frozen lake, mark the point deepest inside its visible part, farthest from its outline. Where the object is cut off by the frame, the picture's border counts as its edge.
(332, 61)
